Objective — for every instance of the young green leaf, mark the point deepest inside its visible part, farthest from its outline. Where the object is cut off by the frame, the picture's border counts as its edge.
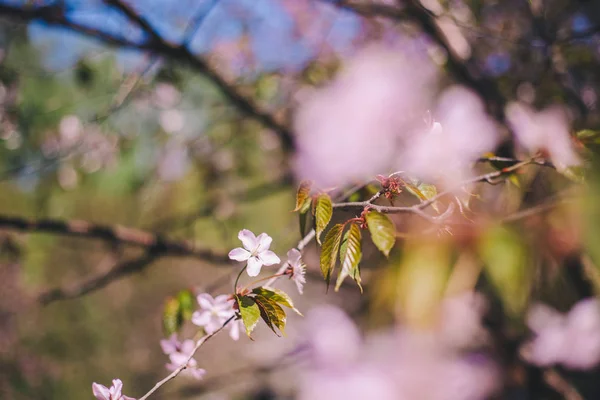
(302, 196)
(350, 255)
(323, 213)
(271, 313)
(277, 296)
(329, 251)
(172, 319)
(303, 217)
(383, 232)
(186, 303)
(249, 311)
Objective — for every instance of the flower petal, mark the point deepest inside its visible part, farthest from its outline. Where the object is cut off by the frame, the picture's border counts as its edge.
(234, 331)
(254, 266)
(100, 391)
(248, 239)
(201, 318)
(116, 388)
(269, 258)
(206, 301)
(263, 242)
(239, 254)
(169, 345)
(294, 257)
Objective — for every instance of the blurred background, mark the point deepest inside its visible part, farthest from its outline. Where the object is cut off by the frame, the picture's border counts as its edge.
(123, 123)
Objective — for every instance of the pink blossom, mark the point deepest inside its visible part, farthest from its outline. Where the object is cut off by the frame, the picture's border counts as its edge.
(332, 337)
(351, 129)
(296, 269)
(546, 131)
(178, 353)
(462, 134)
(572, 340)
(213, 312)
(255, 252)
(460, 320)
(114, 393)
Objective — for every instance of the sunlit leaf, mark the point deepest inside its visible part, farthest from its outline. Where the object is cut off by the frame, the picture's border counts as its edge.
(323, 213)
(383, 232)
(329, 251)
(278, 296)
(271, 313)
(186, 303)
(302, 196)
(350, 255)
(249, 311)
(507, 266)
(574, 173)
(172, 318)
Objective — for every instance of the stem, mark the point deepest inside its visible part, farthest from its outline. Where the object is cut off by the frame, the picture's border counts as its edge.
(238, 278)
(274, 276)
(185, 364)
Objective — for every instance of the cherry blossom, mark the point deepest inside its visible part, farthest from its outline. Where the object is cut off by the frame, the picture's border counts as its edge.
(571, 340)
(255, 252)
(296, 269)
(114, 393)
(546, 131)
(351, 129)
(178, 353)
(213, 312)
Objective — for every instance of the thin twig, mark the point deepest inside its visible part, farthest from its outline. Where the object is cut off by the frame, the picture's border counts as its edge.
(561, 385)
(184, 365)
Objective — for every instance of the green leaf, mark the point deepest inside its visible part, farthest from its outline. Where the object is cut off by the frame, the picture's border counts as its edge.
(507, 266)
(424, 192)
(172, 318)
(383, 232)
(575, 173)
(277, 296)
(323, 213)
(249, 311)
(271, 313)
(302, 196)
(588, 136)
(304, 216)
(350, 255)
(329, 251)
(186, 303)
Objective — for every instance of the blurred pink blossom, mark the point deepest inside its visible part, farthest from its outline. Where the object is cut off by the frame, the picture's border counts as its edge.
(178, 353)
(463, 133)
(546, 131)
(351, 129)
(213, 312)
(572, 340)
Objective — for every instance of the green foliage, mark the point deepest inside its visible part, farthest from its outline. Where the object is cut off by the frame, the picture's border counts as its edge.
(329, 251)
(249, 312)
(177, 310)
(271, 313)
(350, 255)
(507, 266)
(277, 296)
(383, 232)
(323, 214)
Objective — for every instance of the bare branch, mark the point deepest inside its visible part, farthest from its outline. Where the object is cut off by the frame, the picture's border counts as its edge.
(154, 243)
(55, 15)
(97, 282)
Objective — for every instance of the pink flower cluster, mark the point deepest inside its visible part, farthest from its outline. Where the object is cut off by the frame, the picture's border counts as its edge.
(404, 364)
(101, 392)
(572, 340)
(178, 353)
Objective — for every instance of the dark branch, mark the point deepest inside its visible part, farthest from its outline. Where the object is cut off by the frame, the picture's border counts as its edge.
(155, 244)
(55, 15)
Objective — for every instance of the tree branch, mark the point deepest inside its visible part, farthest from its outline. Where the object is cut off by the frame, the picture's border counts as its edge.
(98, 282)
(55, 15)
(153, 243)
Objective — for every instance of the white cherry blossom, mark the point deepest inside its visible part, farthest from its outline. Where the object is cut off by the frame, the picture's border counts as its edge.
(101, 392)
(255, 252)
